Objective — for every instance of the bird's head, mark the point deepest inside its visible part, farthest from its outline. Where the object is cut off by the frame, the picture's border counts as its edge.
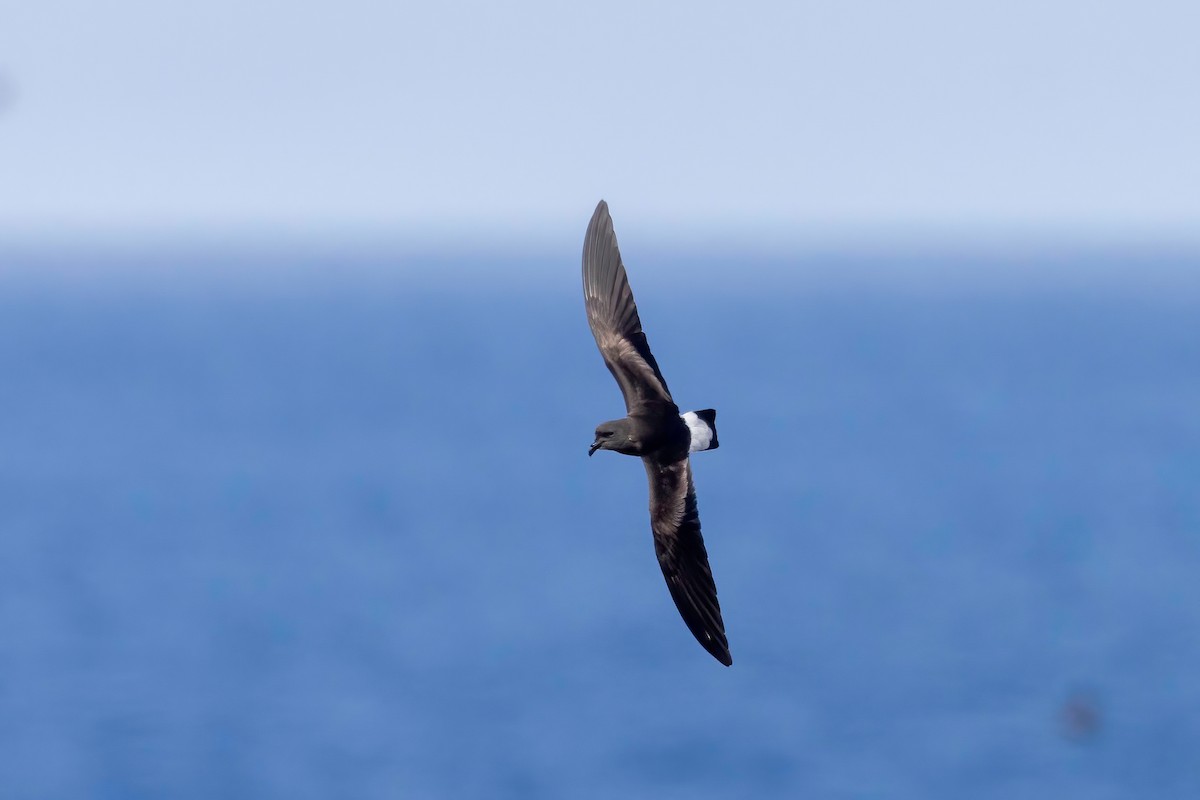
(616, 435)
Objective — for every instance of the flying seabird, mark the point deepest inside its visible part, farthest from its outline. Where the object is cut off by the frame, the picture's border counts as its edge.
(655, 430)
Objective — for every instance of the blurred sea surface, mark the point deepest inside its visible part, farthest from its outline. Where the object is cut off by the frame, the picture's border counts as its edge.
(339, 536)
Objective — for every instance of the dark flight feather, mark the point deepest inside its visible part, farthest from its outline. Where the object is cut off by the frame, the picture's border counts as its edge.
(613, 318)
(675, 520)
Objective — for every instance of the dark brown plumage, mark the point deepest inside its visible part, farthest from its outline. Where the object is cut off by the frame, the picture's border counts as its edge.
(654, 430)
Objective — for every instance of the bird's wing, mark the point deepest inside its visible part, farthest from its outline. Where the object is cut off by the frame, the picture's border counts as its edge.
(681, 554)
(614, 320)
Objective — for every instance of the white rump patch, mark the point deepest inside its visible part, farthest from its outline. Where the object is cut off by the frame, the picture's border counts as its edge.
(702, 435)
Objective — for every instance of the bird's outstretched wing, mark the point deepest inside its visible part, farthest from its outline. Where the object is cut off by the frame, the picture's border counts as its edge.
(681, 554)
(614, 320)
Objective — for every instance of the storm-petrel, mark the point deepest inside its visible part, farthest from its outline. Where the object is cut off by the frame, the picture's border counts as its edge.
(654, 430)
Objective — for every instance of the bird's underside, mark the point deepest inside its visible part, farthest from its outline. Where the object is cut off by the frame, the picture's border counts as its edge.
(658, 434)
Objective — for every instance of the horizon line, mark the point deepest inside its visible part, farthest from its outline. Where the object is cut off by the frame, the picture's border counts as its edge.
(468, 239)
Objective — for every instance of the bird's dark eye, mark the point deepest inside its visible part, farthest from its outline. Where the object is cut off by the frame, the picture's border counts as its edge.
(605, 434)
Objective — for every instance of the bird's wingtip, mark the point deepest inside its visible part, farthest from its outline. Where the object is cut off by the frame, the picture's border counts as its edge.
(601, 221)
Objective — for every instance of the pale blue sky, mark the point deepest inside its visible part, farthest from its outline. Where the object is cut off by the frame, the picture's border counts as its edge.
(791, 120)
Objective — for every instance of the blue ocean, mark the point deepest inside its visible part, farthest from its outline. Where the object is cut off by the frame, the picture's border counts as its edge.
(332, 531)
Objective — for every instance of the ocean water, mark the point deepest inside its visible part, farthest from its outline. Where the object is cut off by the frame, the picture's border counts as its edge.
(340, 537)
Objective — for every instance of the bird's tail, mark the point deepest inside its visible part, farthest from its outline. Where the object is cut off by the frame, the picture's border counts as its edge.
(703, 425)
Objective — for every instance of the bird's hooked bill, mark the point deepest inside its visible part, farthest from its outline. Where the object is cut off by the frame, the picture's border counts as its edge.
(595, 446)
